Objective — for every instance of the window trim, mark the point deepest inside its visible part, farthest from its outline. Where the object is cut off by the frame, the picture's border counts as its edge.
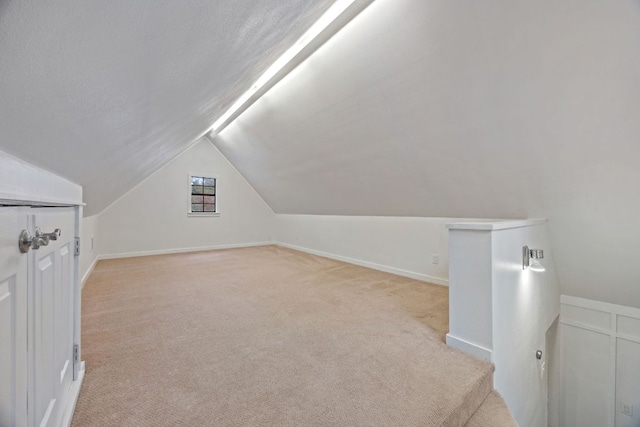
(195, 214)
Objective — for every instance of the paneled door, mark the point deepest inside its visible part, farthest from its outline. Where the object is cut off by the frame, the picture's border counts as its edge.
(37, 284)
(50, 323)
(13, 319)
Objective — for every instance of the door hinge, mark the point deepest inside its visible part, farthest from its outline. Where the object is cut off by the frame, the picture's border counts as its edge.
(76, 249)
(76, 361)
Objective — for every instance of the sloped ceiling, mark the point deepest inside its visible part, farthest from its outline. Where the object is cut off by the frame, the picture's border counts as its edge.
(104, 93)
(494, 109)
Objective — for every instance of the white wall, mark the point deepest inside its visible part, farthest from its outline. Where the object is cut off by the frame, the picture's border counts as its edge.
(525, 305)
(470, 297)
(506, 312)
(88, 246)
(21, 181)
(152, 217)
(495, 109)
(600, 359)
(403, 246)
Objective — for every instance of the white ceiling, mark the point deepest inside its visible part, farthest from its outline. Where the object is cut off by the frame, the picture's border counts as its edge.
(494, 109)
(104, 93)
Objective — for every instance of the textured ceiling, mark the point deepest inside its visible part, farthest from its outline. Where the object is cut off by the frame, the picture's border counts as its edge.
(491, 109)
(104, 93)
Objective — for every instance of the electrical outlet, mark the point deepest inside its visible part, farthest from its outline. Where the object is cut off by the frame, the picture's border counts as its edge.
(626, 408)
(435, 259)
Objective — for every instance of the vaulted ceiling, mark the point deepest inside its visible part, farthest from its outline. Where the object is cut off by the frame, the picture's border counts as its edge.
(490, 109)
(104, 93)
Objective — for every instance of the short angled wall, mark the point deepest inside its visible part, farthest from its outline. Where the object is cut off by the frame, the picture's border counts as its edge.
(398, 245)
(22, 181)
(600, 357)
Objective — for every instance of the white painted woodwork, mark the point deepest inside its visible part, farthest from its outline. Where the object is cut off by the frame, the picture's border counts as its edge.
(38, 319)
(51, 327)
(502, 313)
(39, 298)
(600, 356)
(525, 304)
(627, 381)
(470, 297)
(494, 109)
(585, 396)
(13, 319)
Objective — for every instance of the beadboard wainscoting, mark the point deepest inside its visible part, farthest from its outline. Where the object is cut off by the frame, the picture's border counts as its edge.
(600, 359)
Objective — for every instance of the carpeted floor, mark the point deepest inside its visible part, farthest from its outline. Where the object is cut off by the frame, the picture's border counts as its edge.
(268, 336)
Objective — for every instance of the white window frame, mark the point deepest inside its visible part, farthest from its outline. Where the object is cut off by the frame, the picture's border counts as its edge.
(205, 175)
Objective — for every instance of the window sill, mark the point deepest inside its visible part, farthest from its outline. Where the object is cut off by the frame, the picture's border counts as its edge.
(203, 214)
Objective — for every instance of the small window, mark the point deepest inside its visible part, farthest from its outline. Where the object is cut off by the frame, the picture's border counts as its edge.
(203, 195)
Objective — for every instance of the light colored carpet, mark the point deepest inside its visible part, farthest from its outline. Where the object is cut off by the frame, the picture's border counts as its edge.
(492, 413)
(269, 337)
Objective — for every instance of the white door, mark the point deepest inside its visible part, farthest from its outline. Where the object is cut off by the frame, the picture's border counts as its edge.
(36, 316)
(13, 319)
(50, 325)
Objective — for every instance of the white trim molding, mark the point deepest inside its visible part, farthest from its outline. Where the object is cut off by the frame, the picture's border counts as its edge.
(495, 224)
(204, 176)
(183, 250)
(67, 415)
(372, 265)
(89, 271)
(468, 347)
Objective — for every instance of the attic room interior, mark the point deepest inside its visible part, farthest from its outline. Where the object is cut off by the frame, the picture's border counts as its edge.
(320, 213)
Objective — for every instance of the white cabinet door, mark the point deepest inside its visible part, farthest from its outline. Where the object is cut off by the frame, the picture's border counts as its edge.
(36, 317)
(51, 320)
(13, 319)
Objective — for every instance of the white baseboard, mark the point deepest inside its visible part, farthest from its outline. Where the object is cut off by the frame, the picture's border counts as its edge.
(470, 348)
(385, 268)
(183, 250)
(89, 271)
(74, 392)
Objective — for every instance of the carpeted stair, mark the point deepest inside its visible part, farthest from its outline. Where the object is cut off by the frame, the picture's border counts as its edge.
(492, 413)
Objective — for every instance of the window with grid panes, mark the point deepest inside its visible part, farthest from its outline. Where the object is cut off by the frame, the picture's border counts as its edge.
(203, 195)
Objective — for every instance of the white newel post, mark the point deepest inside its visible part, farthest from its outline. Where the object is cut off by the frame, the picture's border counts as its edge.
(502, 313)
